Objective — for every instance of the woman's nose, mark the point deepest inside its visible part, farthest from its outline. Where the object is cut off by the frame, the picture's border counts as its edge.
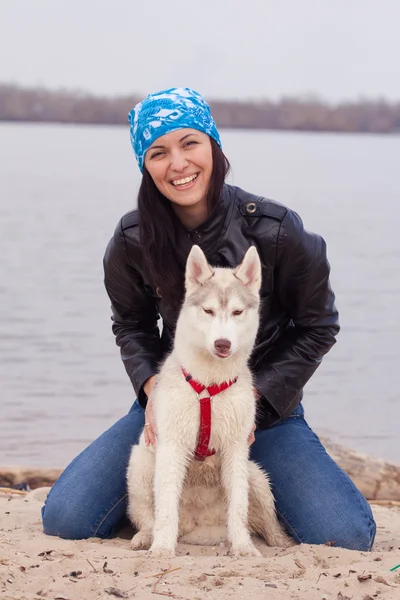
(178, 162)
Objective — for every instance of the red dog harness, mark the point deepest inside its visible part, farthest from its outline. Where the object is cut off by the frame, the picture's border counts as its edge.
(202, 450)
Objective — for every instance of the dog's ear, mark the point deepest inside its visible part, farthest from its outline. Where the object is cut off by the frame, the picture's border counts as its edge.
(249, 270)
(198, 271)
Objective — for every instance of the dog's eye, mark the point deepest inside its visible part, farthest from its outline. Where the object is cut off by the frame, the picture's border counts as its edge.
(236, 313)
(208, 311)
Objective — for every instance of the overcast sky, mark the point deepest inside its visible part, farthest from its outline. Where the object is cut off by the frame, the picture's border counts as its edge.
(337, 49)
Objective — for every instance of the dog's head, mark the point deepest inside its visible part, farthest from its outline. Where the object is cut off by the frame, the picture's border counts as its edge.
(220, 311)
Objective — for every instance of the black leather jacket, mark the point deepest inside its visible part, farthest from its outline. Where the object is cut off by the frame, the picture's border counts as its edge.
(298, 321)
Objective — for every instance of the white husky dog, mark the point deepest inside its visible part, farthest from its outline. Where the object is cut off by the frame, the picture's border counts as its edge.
(173, 492)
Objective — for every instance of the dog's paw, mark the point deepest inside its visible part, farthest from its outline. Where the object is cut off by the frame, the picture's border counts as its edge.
(141, 541)
(245, 550)
(157, 552)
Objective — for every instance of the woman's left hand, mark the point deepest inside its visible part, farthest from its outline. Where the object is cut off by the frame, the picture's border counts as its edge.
(251, 437)
(257, 394)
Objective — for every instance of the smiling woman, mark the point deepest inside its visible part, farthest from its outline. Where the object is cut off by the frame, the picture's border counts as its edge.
(182, 181)
(184, 201)
(178, 164)
(178, 149)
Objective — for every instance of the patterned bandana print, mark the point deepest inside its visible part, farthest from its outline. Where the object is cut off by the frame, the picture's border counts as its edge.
(167, 111)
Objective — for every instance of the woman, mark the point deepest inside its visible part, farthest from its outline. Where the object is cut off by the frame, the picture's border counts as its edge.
(183, 200)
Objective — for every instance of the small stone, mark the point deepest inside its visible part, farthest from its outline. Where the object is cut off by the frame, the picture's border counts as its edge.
(381, 579)
(116, 592)
(106, 570)
(46, 552)
(363, 578)
(73, 574)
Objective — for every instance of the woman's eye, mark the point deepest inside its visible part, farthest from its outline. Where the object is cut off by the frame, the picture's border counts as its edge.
(236, 313)
(156, 154)
(208, 311)
(190, 143)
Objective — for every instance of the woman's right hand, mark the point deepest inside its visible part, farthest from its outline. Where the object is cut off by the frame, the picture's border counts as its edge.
(149, 427)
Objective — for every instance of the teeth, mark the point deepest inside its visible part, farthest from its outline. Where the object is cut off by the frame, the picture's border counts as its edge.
(183, 181)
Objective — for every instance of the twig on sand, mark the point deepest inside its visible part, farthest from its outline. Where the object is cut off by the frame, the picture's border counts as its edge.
(385, 502)
(95, 570)
(158, 580)
(169, 570)
(5, 490)
(154, 590)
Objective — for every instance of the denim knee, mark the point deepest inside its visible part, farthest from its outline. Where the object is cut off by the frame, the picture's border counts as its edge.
(60, 518)
(75, 519)
(89, 498)
(355, 534)
(359, 535)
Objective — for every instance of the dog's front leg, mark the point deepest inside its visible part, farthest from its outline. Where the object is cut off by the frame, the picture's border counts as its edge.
(234, 470)
(170, 470)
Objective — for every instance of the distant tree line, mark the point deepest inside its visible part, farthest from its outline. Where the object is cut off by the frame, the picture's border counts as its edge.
(305, 114)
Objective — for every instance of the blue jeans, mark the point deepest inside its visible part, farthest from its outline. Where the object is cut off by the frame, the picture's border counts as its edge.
(315, 499)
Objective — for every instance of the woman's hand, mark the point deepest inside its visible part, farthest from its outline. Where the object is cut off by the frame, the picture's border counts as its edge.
(251, 437)
(149, 427)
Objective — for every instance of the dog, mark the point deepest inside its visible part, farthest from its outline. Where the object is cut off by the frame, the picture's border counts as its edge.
(198, 484)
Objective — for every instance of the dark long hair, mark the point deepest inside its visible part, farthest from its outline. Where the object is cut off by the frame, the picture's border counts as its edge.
(164, 261)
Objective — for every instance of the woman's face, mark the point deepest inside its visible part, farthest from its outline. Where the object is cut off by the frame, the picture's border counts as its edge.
(180, 164)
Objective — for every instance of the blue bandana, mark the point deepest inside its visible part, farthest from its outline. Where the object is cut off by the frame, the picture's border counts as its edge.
(167, 111)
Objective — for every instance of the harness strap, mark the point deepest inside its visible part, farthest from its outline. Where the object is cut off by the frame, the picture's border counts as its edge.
(202, 452)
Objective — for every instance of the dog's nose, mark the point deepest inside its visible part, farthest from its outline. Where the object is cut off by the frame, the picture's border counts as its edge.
(222, 345)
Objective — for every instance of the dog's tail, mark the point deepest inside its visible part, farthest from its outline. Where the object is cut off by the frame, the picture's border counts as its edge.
(262, 514)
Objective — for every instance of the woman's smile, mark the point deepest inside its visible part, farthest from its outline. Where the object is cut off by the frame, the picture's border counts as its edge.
(185, 183)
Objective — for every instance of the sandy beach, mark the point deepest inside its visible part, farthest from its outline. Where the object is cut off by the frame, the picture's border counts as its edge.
(34, 566)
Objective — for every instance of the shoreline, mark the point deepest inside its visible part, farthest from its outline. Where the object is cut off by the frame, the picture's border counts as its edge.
(377, 479)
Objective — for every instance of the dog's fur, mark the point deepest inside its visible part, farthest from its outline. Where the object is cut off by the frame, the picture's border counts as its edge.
(227, 496)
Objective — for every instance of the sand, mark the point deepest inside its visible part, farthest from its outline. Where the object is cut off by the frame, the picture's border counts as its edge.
(35, 566)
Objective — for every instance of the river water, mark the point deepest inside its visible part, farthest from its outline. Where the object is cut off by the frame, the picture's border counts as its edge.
(62, 191)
